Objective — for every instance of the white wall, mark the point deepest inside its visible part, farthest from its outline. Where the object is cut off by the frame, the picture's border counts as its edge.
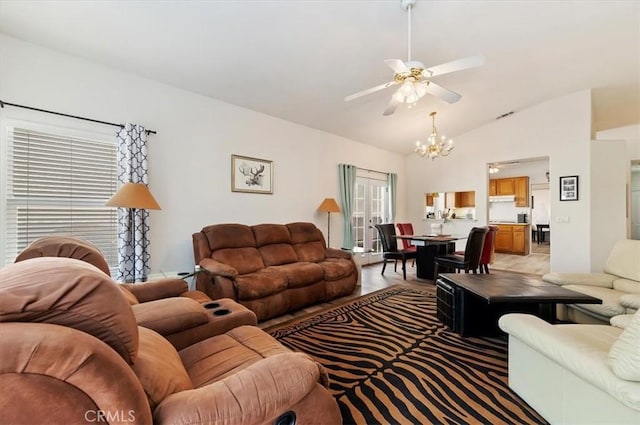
(559, 129)
(608, 198)
(190, 157)
(630, 135)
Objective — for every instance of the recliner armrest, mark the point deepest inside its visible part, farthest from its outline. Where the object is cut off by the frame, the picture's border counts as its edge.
(254, 395)
(216, 267)
(604, 280)
(337, 253)
(630, 301)
(169, 316)
(157, 289)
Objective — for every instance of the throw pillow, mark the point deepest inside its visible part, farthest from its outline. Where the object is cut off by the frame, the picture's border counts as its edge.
(624, 355)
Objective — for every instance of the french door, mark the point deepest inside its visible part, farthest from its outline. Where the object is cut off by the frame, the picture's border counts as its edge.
(371, 208)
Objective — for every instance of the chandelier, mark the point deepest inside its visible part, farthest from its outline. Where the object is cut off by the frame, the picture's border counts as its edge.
(436, 146)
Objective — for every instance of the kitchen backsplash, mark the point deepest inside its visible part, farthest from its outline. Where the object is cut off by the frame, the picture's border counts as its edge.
(507, 211)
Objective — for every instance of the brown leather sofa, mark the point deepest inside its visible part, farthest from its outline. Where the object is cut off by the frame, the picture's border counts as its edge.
(271, 269)
(155, 304)
(72, 352)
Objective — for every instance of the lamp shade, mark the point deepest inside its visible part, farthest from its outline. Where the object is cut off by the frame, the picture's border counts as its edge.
(329, 205)
(134, 195)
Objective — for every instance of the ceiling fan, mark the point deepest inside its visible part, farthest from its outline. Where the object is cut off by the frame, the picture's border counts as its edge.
(497, 166)
(414, 78)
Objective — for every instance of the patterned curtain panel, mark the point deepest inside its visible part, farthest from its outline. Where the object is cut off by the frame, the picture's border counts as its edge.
(392, 179)
(347, 182)
(133, 254)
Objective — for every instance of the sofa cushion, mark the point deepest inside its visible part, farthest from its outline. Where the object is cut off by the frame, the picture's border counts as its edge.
(301, 274)
(591, 279)
(626, 285)
(308, 242)
(277, 254)
(623, 260)
(260, 284)
(274, 244)
(624, 356)
(159, 368)
(244, 260)
(336, 268)
(610, 300)
(229, 236)
(223, 355)
(266, 234)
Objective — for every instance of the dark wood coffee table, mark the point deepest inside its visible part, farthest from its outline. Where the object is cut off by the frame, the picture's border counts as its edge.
(471, 304)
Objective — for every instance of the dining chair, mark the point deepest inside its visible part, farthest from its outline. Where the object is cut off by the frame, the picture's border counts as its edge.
(390, 249)
(488, 249)
(407, 229)
(471, 258)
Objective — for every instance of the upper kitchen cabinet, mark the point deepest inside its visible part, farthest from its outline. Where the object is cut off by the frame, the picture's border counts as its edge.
(517, 186)
(505, 187)
(460, 199)
(522, 191)
(429, 199)
(466, 199)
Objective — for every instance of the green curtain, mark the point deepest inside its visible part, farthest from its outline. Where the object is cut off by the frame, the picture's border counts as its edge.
(347, 182)
(392, 179)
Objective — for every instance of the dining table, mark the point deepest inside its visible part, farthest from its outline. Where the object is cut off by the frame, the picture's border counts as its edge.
(428, 247)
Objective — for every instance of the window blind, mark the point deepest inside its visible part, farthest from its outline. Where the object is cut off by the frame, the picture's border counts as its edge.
(58, 185)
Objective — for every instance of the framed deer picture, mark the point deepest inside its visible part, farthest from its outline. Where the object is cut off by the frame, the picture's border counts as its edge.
(251, 175)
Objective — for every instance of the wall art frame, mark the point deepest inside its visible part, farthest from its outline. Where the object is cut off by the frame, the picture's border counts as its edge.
(251, 175)
(569, 188)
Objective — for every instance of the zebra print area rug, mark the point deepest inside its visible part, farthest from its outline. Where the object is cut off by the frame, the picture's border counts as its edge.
(390, 361)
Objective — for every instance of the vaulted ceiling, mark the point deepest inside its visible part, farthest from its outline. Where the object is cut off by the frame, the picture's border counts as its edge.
(297, 59)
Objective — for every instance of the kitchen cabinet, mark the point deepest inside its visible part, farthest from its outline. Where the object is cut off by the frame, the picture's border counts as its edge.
(512, 239)
(517, 186)
(522, 191)
(460, 199)
(466, 199)
(429, 199)
(505, 187)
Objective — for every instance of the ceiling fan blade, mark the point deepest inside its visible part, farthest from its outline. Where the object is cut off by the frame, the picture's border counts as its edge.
(457, 65)
(369, 91)
(397, 65)
(439, 91)
(391, 107)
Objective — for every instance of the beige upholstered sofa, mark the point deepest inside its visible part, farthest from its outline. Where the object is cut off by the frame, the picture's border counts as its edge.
(621, 277)
(576, 373)
(271, 269)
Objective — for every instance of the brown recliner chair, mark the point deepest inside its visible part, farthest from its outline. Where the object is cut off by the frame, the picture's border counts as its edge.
(155, 304)
(72, 353)
(70, 247)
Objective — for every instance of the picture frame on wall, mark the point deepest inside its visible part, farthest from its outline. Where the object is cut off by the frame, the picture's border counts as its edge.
(569, 188)
(251, 175)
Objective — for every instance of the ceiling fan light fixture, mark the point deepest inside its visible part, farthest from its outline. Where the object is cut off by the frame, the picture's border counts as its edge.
(436, 145)
(412, 77)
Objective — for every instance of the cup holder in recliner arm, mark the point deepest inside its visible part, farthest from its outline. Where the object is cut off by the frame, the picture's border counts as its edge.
(221, 312)
(211, 305)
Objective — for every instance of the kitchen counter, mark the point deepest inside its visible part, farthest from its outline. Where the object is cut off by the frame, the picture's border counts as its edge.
(511, 223)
